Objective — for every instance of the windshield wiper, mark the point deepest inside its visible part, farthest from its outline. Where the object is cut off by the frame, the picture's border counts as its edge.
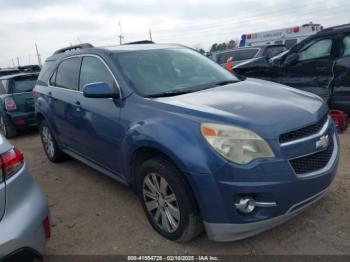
(167, 94)
(224, 82)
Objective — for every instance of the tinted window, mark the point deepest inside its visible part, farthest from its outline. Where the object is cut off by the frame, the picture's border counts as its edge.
(272, 51)
(317, 49)
(46, 71)
(152, 72)
(2, 87)
(245, 54)
(53, 78)
(289, 43)
(66, 73)
(93, 70)
(237, 55)
(222, 58)
(24, 84)
(346, 45)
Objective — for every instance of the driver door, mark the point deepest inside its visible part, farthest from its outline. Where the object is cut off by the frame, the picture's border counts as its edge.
(313, 69)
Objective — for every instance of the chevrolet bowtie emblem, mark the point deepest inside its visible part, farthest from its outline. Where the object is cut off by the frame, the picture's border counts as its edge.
(323, 142)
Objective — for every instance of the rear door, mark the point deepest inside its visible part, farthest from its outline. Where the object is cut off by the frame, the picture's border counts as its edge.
(341, 90)
(313, 71)
(63, 96)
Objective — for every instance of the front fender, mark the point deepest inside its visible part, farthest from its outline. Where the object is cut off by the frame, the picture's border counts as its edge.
(42, 107)
(182, 143)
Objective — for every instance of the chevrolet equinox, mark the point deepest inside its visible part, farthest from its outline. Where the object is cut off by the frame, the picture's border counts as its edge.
(202, 148)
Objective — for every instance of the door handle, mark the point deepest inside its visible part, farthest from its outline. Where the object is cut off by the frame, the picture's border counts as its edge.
(50, 93)
(78, 106)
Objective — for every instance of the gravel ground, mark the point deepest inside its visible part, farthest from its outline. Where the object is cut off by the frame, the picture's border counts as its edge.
(92, 214)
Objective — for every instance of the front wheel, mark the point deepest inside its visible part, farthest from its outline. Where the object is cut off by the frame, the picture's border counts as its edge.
(51, 148)
(167, 201)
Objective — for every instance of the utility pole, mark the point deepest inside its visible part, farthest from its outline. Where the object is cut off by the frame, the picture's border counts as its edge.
(121, 36)
(121, 39)
(38, 55)
(150, 34)
(18, 61)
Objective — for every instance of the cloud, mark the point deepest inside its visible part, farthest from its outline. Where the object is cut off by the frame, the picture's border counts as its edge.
(54, 24)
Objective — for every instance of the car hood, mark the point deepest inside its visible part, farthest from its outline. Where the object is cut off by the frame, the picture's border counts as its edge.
(265, 107)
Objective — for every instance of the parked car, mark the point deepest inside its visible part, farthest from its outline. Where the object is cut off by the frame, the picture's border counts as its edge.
(240, 55)
(24, 213)
(17, 103)
(320, 64)
(20, 69)
(199, 146)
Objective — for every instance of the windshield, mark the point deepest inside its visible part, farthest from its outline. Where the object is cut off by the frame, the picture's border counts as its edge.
(237, 55)
(272, 51)
(278, 57)
(24, 84)
(170, 71)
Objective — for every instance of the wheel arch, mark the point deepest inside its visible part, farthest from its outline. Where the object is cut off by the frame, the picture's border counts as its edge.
(144, 153)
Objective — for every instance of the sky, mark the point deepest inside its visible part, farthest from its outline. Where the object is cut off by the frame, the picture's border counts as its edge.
(197, 23)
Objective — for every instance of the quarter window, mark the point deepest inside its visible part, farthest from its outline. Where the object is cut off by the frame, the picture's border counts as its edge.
(317, 49)
(346, 45)
(93, 70)
(66, 73)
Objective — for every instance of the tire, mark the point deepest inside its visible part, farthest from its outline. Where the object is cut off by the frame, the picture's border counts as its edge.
(7, 129)
(51, 148)
(167, 200)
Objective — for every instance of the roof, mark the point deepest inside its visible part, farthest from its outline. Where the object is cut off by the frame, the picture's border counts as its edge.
(335, 29)
(17, 75)
(248, 47)
(88, 48)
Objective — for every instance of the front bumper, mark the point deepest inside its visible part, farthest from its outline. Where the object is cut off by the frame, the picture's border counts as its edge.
(231, 232)
(266, 181)
(26, 208)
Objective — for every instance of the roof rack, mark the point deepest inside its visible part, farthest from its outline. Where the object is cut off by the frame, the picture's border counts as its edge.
(140, 42)
(73, 47)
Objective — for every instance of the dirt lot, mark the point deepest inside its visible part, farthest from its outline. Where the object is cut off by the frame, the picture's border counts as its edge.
(92, 214)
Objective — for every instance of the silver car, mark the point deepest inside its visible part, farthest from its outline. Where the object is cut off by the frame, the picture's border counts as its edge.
(24, 213)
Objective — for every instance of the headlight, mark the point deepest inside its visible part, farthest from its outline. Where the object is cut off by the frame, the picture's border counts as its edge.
(236, 144)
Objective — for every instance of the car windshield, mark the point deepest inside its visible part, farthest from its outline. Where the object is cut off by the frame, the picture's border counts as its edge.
(24, 84)
(166, 72)
(272, 51)
(278, 57)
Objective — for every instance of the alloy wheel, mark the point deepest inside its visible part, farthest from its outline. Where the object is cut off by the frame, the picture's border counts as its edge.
(161, 202)
(48, 142)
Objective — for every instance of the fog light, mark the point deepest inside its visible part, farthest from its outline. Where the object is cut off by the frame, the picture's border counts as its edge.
(246, 205)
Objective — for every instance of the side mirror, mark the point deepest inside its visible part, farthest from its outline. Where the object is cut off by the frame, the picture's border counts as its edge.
(99, 90)
(291, 59)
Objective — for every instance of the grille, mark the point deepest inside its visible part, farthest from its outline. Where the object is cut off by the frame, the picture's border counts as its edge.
(303, 132)
(314, 162)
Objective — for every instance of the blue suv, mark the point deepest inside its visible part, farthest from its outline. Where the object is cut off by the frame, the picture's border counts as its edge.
(201, 147)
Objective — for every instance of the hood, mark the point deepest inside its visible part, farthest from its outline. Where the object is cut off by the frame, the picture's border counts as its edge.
(268, 108)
